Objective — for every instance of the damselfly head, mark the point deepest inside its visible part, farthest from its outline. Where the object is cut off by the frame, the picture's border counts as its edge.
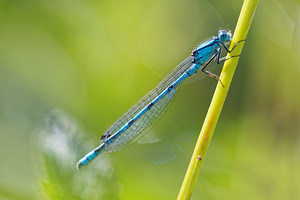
(224, 35)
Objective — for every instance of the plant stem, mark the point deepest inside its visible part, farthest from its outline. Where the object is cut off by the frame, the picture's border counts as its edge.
(218, 100)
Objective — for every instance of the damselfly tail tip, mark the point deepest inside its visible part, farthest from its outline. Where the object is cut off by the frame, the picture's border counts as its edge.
(78, 165)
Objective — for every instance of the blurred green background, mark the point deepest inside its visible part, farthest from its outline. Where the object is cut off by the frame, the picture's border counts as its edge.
(69, 69)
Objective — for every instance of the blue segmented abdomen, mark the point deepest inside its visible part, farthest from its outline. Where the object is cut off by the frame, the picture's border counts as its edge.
(152, 115)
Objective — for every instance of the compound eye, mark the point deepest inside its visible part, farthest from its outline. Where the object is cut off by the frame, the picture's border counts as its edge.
(223, 37)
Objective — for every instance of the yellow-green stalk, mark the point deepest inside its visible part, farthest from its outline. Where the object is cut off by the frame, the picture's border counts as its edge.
(243, 25)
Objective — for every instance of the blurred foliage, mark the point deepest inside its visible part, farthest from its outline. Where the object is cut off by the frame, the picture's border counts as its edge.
(91, 60)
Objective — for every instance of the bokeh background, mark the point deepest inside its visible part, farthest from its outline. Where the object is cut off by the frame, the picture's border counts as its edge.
(69, 69)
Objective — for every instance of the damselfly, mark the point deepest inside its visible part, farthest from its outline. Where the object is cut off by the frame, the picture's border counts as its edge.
(135, 123)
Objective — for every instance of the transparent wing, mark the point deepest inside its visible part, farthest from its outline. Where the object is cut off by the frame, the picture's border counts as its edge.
(154, 114)
(141, 126)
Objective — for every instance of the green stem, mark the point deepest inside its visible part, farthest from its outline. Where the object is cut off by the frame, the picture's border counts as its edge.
(218, 100)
